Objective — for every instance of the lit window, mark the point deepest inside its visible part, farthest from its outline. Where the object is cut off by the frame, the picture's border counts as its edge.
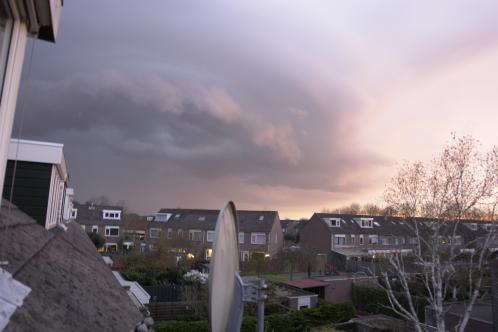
(210, 236)
(258, 238)
(195, 235)
(112, 231)
(154, 233)
(209, 253)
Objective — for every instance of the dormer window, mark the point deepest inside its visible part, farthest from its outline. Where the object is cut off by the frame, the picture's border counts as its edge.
(365, 222)
(261, 218)
(162, 217)
(333, 222)
(74, 213)
(111, 214)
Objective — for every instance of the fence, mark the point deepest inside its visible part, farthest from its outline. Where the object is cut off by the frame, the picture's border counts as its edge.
(165, 293)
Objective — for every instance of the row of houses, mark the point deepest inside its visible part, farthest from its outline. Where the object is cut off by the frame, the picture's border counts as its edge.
(41, 189)
(260, 232)
(338, 236)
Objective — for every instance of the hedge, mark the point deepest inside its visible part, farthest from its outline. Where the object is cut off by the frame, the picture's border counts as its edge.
(375, 301)
(294, 321)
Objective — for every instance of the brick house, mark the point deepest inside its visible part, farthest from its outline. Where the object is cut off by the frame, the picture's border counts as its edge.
(193, 230)
(107, 221)
(342, 237)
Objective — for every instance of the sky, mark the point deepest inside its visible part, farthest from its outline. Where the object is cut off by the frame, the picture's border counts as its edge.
(293, 106)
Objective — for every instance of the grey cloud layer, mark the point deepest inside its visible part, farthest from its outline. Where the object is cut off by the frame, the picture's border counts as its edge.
(168, 99)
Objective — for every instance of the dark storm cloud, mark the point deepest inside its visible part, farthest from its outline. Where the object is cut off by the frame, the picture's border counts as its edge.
(168, 95)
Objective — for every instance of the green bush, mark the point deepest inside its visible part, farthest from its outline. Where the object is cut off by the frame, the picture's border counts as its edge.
(293, 322)
(182, 326)
(375, 301)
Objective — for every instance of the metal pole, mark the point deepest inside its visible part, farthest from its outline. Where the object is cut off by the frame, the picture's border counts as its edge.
(261, 306)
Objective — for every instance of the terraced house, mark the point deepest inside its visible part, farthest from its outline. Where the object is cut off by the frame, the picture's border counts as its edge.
(192, 230)
(107, 221)
(353, 237)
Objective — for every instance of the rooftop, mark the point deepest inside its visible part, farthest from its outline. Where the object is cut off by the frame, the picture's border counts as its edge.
(72, 289)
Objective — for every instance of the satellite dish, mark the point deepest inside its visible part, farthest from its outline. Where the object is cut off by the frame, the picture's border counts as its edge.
(223, 269)
(227, 292)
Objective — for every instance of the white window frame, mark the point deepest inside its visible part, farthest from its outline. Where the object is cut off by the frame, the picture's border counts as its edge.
(111, 214)
(337, 237)
(191, 235)
(362, 240)
(96, 228)
(366, 223)
(108, 231)
(170, 233)
(371, 238)
(210, 236)
(242, 237)
(254, 237)
(245, 255)
(352, 239)
(74, 213)
(154, 230)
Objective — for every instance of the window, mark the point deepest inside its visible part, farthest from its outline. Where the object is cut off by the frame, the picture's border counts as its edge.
(340, 239)
(74, 213)
(261, 218)
(162, 217)
(180, 233)
(353, 239)
(111, 230)
(258, 238)
(112, 214)
(241, 237)
(170, 233)
(95, 229)
(333, 222)
(473, 226)
(373, 239)
(154, 233)
(366, 223)
(361, 240)
(210, 236)
(195, 235)
(209, 253)
(83, 226)
(384, 240)
(413, 240)
(202, 218)
(244, 256)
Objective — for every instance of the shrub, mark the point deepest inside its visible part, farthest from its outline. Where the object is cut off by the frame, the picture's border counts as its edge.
(182, 326)
(97, 240)
(293, 322)
(375, 301)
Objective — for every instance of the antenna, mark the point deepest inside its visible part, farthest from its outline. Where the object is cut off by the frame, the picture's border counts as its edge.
(227, 291)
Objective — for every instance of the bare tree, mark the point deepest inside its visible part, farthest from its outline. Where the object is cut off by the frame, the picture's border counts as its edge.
(434, 199)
